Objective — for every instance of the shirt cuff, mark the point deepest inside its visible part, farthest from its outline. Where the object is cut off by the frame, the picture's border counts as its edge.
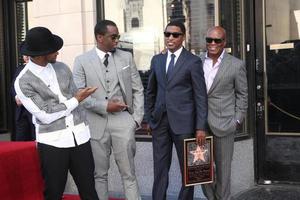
(71, 104)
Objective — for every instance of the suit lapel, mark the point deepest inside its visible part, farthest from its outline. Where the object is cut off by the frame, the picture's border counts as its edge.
(96, 65)
(162, 66)
(117, 59)
(220, 73)
(178, 64)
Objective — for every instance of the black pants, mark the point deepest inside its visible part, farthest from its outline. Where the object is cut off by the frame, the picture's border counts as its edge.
(55, 163)
(162, 140)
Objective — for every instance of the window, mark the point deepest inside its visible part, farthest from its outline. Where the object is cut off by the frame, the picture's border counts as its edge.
(12, 32)
(142, 31)
(135, 23)
(2, 74)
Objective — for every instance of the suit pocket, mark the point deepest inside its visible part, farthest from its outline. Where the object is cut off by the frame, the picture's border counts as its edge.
(156, 114)
(126, 72)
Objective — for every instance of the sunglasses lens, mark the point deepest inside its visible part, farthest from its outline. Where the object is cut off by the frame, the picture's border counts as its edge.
(209, 40)
(216, 40)
(176, 35)
(114, 37)
(167, 34)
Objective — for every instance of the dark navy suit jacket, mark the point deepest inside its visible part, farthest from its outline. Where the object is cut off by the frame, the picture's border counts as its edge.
(182, 95)
(25, 130)
(19, 109)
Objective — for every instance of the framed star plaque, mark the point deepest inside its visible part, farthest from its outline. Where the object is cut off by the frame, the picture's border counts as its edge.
(198, 162)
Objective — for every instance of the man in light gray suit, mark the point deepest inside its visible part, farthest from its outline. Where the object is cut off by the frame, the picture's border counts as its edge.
(226, 83)
(115, 110)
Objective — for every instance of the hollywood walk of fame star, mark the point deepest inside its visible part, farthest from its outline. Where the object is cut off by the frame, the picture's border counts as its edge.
(199, 154)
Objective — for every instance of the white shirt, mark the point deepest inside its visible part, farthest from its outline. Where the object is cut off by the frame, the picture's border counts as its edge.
(101, 54)
(176, 53)
(211, 70)
(62, 138)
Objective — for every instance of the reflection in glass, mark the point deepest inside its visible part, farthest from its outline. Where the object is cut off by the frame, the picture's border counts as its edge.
(141, 24)
(283, 65)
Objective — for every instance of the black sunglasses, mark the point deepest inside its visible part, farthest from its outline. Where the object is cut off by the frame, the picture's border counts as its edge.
(114, 36)
(216, 40)
(175, 34)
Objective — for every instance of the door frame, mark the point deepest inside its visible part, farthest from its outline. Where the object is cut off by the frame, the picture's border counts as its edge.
(260, 139)
(260, 84)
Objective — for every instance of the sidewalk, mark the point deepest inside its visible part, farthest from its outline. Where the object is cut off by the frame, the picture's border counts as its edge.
(270, 192)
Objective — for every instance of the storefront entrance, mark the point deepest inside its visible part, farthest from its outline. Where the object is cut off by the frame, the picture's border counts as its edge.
(278, 90)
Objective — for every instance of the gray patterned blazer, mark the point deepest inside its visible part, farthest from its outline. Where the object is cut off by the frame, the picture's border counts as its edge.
(35, 89)
(228, 96)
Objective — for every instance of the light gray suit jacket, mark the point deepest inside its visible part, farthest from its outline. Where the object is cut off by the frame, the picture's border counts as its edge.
(228, 96)
(87, 72)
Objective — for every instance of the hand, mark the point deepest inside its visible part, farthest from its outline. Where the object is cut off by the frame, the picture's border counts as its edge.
(84, 93)
(237, 124)
(18, 102)
(115, 106)
(200, 137)
(148, 128)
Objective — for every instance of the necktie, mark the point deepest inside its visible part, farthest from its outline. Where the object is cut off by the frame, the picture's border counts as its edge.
(171, 65)
(106, 59)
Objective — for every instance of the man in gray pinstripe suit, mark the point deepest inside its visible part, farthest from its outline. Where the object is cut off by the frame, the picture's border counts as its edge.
(226, 82)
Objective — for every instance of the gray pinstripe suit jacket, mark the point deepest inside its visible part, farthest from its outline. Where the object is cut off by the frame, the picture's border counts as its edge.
(228, 96)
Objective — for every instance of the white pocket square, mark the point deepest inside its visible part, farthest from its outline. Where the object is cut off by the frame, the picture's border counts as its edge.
(125, 67)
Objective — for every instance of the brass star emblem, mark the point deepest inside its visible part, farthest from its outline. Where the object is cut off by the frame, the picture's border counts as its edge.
(199, 154)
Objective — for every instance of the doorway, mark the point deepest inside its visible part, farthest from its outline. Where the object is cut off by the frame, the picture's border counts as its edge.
(278, 90)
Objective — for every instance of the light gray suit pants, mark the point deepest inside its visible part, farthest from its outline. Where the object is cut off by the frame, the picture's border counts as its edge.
(223, 152)
(119, 138)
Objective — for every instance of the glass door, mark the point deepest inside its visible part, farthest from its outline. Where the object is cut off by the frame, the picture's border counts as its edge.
(142, 31)
(278, 90)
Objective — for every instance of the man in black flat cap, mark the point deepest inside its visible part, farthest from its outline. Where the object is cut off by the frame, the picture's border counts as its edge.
(46, 89)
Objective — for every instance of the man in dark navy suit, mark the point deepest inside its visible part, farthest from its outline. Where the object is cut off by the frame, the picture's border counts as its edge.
(25, 130)
(176, 106)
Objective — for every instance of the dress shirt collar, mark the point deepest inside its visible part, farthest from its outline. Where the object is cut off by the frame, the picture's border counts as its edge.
(101, 53)
(176, 53)
(37, 69)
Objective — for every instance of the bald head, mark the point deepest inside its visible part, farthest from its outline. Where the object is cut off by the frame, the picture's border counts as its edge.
(217, 29)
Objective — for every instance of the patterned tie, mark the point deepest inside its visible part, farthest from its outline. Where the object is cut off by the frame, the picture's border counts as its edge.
(171, 65)
(106, 59)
